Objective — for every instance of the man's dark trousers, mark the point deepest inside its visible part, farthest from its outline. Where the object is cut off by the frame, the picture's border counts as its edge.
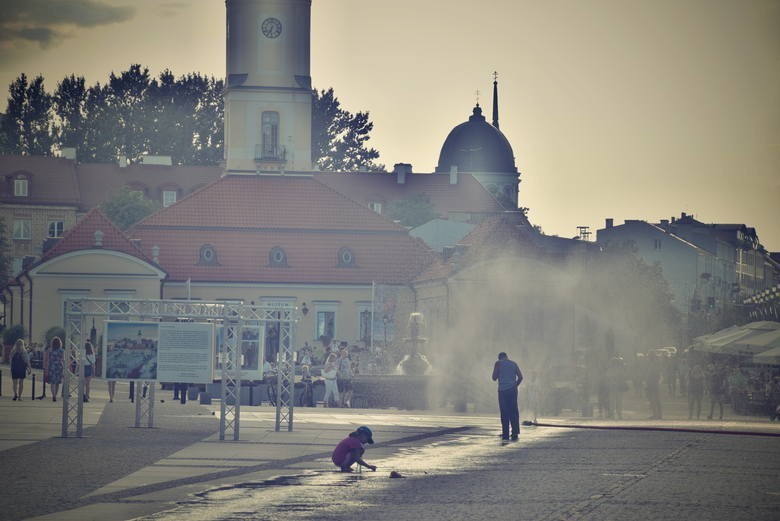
(510, 414)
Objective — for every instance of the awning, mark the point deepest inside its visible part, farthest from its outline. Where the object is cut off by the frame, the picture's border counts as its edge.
(771, 357)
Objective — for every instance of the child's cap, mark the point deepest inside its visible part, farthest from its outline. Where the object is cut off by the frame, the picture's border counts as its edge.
(367, 433)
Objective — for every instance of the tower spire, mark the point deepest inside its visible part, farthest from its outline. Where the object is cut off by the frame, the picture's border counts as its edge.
(495, 99)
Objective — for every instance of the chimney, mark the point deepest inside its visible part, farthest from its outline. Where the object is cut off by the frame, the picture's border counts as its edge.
(68, 153)
(454, 174)
(683, 215)
(121, 161)
(98, 239)
(157, 160)
(156, 254)
(400, 170)
(664, 222)
(609, 223)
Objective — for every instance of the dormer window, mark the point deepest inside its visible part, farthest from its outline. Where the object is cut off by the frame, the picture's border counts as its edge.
(277, 257)
(376, 206)
(21, 187)
(207, 255)
(168, 197)
(346, 259)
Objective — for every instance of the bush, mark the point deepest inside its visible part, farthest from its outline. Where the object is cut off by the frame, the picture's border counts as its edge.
(52, 332)
(12, 334)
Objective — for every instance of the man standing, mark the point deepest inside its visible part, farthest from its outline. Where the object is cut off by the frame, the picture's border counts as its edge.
(509, 377)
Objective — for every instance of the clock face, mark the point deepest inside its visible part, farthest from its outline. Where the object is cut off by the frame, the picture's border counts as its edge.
(271, 27)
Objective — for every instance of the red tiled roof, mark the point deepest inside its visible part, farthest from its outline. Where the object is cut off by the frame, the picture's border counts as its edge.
(52, 180)
(466, 196)
(82, 237)
(243, 217)
(100, 180)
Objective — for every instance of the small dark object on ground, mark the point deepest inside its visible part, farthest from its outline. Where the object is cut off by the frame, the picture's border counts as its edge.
(395, 474)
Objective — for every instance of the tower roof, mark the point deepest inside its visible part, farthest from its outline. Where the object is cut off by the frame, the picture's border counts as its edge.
(477, 146)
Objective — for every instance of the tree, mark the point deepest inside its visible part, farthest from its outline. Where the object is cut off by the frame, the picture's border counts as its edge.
(412, 211)
(70, 106)
(339, 137)
(27, 124)
(135, 114)
(127, 207)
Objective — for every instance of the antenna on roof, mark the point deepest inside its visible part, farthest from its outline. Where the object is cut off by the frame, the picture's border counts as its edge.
(495, 99)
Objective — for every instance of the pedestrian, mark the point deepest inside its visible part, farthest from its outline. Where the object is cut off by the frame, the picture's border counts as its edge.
(20, 367)
(616, 380)
(180, 390)
(89, 368)
(56, 366)
(344, 376)
(717, 390)
(111, 390)
(653, 386)
(696, 379)
(329, 373)
(350, 450)
(509, 376)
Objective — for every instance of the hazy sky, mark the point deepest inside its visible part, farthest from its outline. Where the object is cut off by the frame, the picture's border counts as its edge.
(614, 108)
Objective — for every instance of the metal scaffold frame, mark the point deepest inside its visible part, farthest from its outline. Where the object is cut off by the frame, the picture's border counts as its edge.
(232, 315)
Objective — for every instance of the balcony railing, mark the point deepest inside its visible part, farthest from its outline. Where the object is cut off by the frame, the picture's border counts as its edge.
(263, 153)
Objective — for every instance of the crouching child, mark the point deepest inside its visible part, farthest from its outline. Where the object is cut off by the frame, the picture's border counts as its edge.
(350, 450)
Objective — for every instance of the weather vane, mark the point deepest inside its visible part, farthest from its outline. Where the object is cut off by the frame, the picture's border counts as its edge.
(476, 95)
(495, 75)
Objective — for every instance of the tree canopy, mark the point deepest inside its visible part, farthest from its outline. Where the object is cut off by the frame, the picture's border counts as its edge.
(134, 113)
(412, 211)
(126, 207)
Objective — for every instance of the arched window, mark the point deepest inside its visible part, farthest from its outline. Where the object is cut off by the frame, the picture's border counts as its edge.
(270, 133)
(346, 259)
(277, 257)
(208, 255)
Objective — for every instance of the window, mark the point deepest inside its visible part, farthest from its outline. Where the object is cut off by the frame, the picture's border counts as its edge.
(56, 229)
(345, 258)
(21, 187)
(277, 257)
(325, 319)
(270, 134)
(22, 229)
(365, 326)
(208, 255)
(168, 197)
(375, 206)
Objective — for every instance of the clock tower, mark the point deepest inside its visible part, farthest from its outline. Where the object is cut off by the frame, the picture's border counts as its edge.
(268, 86)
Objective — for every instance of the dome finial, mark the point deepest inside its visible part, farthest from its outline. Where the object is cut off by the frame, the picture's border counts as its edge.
(495, 99)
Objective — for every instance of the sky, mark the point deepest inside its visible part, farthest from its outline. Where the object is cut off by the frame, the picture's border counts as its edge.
(624, 109)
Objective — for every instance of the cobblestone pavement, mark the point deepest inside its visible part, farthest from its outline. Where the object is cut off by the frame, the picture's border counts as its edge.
(551, 474)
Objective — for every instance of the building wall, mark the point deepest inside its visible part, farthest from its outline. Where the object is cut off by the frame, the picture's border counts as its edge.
(101, 274)
(39, 217)
(347, 302)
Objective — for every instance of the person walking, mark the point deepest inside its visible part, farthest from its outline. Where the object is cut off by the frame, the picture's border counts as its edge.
(696, 379)
(55, 366)
(344, 376)
(20, 367)
(653, 386)
(89, 368)
(717, 390)
(329, 373)
(509, 376)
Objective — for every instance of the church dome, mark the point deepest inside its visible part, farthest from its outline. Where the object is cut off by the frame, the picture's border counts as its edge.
(477, 146)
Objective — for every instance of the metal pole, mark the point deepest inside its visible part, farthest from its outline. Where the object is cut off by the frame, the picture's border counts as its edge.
(32, 391)
(373, 307)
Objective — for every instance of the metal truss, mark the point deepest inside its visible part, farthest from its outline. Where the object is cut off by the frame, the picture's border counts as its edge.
(73, 371)
(233, 316)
